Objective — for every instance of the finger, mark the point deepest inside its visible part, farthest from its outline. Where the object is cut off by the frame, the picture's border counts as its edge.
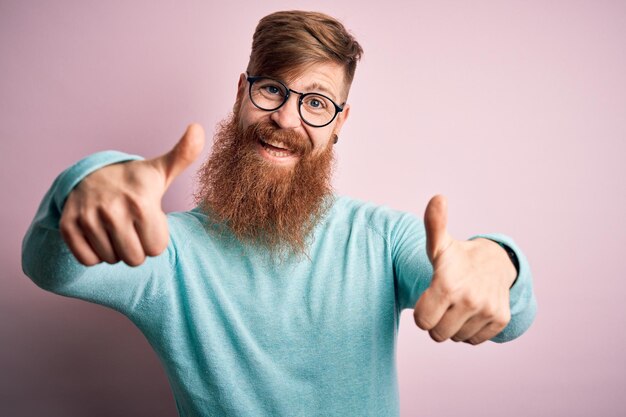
(126, 242)
(77, 243)
(487, 332)
(430, 308)
(183, 154)
(98, 237)
(436, 223)
(470, 328)
(452, 321)
(153, 233)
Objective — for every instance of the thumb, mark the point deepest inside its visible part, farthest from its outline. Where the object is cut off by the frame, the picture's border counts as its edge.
(183, 154)
(436, 222)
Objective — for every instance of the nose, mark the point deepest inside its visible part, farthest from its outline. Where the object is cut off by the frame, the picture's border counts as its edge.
(287, 117)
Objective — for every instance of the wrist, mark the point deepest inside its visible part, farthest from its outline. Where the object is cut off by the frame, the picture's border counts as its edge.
(509, 259)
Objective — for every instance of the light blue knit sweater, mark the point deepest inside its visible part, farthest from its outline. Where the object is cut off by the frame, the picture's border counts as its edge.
(242, 335)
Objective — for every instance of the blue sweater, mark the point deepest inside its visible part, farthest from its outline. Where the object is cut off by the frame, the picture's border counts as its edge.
(241, 334)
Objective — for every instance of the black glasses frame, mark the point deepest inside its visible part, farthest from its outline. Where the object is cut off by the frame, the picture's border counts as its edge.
(253, 78)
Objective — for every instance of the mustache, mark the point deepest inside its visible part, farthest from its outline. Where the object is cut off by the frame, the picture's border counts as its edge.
(268, 132)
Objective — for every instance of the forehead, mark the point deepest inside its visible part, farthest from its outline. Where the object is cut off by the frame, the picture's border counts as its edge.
(327, 78)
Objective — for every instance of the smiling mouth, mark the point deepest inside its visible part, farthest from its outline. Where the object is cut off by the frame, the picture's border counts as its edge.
(278, 150)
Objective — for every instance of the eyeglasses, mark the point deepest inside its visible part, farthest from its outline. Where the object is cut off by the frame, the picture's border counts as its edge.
(315, 109)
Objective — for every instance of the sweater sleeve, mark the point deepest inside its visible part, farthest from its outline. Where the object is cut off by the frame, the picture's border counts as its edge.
(47, 260)
(413, 274)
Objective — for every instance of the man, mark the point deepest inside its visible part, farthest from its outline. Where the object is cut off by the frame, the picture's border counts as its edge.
(273, 297)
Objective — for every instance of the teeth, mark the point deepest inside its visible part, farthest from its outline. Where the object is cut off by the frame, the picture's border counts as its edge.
(277, 144)
(277, 153)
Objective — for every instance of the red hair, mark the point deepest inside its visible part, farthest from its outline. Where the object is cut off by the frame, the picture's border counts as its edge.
(287, 42)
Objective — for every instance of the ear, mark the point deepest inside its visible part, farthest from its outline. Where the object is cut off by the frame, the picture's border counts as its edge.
(241, 90)
(341, 119)
(241, 85)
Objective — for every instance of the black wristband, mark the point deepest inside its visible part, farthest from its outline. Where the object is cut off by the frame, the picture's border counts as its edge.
(512, 257)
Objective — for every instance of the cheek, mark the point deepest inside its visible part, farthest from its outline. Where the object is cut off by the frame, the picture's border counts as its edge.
(249, 114)
(321, 140)
(246, 117)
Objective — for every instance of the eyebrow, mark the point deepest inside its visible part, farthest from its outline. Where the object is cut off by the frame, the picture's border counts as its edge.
(315, 87)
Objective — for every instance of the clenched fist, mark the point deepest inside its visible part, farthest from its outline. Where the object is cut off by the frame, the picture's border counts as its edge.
(115, 214)
(468, 299)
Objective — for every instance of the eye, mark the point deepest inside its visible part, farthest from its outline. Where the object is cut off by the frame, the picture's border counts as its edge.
(316, 102)
(272, 89)
(269, 88)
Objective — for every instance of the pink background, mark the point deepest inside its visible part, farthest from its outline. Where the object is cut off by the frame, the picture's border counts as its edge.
(515, 110)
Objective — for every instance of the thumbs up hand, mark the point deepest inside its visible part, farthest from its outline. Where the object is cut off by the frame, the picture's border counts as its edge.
(114, 214)
(468, 299)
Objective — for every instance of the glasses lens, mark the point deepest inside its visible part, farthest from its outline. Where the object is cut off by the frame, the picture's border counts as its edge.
(317, 109)
(267, 94)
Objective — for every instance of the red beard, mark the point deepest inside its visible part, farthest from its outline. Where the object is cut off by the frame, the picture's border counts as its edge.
(264, 204)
